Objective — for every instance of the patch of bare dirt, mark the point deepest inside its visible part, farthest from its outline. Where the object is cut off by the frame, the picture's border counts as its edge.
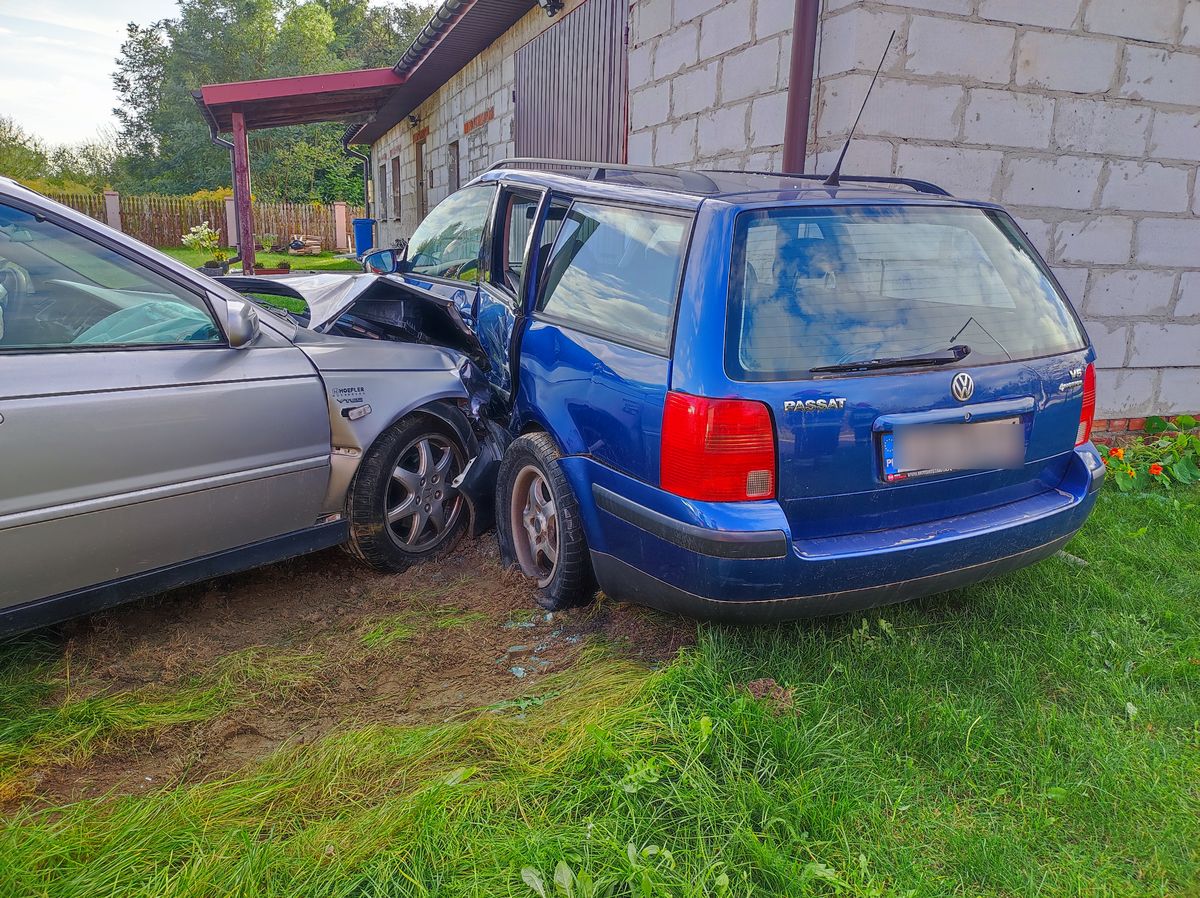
(777, 698)
(465, 635)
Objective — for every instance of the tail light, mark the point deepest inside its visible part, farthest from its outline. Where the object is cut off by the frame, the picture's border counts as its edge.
(717, 450)
(1088, 412)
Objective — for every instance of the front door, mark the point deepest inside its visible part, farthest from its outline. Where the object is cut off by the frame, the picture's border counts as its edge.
(507, 278)
(132, 436)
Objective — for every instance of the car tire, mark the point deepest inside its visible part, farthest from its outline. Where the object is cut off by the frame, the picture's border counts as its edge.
(539, 525)
(402, 508)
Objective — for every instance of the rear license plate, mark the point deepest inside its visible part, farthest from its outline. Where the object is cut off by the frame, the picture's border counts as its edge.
(922, 449)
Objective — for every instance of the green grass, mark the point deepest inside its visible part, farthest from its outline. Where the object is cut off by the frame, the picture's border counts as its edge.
(324, 262)
(50, 716)
(1035, 735)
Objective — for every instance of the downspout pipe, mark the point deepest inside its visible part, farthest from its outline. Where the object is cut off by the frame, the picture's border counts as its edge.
(218, 141)
(366, 165)
(800, 84)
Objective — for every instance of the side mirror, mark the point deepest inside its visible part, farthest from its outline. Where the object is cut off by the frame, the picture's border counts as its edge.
(241, 322)
(381, 261)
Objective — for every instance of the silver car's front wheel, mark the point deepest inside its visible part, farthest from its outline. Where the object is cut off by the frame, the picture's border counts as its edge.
(421, 504)
(403, 506)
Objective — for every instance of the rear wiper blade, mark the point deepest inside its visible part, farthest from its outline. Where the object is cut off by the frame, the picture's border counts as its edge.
(931, 359)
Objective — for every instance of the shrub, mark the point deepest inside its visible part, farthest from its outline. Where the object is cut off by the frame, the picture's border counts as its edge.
(204, 238)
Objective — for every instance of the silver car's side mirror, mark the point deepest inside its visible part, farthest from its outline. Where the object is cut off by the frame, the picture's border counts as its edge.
(241, 323)
(382, 261)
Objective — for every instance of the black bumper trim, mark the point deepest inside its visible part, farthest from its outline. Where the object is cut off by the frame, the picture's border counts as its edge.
(625, 582)
(716, 543)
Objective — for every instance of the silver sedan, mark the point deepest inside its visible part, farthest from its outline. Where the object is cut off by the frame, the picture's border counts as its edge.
(158, 427)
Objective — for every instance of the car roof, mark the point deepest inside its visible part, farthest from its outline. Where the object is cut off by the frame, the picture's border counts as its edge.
(688, 188)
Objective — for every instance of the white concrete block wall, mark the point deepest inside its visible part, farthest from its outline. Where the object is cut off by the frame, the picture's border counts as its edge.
(1081, 116)
(708, 81)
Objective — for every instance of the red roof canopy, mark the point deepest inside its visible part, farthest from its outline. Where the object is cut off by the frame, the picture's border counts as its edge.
(272, 102)
(373, 99)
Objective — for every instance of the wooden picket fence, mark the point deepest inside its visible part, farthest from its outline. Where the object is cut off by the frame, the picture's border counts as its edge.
(88, 203)
(163, 220)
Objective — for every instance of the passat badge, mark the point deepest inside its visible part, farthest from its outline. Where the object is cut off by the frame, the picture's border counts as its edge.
(813, 405)
(962, 387)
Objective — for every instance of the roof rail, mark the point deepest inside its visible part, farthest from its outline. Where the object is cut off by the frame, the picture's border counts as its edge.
(598, 171)
(919, 186)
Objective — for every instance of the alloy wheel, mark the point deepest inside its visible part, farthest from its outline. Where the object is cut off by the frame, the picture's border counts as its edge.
(533, 520)
(421, 504)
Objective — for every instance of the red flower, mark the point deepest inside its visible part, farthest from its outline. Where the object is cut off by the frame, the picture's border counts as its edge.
(1117, 452)
(1156, 469)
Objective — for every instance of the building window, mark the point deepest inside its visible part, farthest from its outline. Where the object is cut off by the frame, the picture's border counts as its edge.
(396, 187)
(382, 194)
(453, 177)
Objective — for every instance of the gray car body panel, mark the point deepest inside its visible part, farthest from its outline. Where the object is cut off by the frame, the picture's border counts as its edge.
(125, 462)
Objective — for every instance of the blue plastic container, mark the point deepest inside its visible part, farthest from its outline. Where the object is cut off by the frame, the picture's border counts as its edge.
(364, 235)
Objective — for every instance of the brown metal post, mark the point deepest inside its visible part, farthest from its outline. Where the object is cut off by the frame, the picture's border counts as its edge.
(800, 83)
(241, 192)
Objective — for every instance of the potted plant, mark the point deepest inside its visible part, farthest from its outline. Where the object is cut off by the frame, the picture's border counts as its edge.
(204, 238)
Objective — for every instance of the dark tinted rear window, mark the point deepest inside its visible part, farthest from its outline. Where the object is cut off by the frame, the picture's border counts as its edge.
(819, 286)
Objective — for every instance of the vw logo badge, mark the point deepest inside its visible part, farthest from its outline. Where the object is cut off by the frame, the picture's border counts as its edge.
(962, 387)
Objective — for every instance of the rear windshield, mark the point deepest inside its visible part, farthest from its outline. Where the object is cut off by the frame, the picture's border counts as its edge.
(818, 286)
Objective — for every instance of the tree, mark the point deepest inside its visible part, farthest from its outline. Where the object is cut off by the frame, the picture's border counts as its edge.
(85, 166)
(22, 155)
(165, 144)
(304, 43)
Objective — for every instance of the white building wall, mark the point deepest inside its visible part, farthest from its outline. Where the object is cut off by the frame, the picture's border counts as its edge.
(708, 81)
(1081, 116)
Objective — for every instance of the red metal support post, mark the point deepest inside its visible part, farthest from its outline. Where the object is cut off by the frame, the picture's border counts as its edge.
(800, 84)
(241, 192)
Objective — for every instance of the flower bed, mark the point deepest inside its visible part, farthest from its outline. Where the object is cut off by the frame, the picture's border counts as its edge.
(1166, 452)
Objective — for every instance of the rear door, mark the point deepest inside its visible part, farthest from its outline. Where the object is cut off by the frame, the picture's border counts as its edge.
(133, 437)
(826, 305)
(594, 359)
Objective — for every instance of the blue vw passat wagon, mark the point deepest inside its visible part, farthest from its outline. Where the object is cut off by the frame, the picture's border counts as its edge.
(754, 396)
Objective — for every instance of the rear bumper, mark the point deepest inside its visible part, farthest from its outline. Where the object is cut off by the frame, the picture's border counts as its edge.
(627, 582)
(738, 561)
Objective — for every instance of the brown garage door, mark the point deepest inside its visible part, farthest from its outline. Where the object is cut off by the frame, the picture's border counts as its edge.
(570, 86)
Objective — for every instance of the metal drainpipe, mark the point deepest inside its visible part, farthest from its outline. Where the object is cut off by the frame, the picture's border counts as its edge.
(224, 144)
(800, 84)
(366, 164)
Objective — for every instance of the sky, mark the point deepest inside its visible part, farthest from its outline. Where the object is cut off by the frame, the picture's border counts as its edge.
(57, 62)
(57, 58)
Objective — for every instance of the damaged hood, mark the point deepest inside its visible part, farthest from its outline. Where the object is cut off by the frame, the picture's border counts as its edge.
(327, 295)
(377, 307)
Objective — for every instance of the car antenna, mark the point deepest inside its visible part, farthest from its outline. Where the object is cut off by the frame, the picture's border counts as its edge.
(833, 180)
